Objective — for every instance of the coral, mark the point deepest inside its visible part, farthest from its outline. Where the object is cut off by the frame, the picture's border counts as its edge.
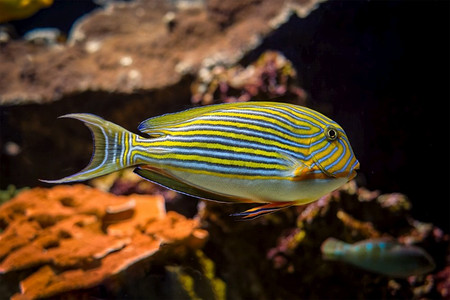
(443, 282)
(208, 287)
(283, 260)
(155, 44)
(126, 182)
(364, 228)
(79, 241)
(72, 238)
(271, 76)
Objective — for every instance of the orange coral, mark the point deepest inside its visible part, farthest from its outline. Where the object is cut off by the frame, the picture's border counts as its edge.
(77, 237)
(364, 228)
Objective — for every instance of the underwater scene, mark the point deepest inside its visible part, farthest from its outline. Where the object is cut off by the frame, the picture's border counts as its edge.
(219, 149)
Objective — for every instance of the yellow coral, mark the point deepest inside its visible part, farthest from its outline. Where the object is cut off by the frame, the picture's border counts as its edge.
(187, 282)
(20, 9)
(217, 284)
(298, 238)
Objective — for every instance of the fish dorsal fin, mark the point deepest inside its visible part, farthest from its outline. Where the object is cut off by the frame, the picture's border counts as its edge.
(157, 125)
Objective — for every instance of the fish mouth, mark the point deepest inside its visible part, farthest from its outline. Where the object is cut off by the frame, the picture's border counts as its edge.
(353, 171)
(350, 174)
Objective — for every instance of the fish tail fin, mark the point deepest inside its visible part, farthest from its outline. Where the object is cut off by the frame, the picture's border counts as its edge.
(332, 248)
(112, 148)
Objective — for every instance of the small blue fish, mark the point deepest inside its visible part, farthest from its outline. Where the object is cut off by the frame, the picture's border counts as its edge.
(383, 256)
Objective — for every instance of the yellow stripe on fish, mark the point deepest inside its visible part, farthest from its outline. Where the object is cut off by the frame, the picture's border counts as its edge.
(261, 152)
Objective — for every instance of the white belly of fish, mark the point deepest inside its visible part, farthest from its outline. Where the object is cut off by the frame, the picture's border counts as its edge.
(263, 190)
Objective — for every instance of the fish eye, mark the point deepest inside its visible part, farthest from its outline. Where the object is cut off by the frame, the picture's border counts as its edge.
(331, 133)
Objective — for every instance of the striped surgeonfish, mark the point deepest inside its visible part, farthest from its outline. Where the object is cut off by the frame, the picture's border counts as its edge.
(254, 152)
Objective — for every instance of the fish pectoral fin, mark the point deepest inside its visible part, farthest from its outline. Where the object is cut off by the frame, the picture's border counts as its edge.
(262, 210)
(297, 168)
(300, 169)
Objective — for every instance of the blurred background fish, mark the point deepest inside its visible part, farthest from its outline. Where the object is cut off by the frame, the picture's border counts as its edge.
(383, 256)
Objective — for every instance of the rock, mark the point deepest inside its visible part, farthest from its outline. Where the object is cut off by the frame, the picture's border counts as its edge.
(72, 238)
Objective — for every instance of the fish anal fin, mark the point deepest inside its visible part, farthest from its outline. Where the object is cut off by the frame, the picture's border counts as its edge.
(159, 177)
(262, 210)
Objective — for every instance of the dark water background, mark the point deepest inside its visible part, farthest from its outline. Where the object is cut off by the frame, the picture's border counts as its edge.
(381, 70)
